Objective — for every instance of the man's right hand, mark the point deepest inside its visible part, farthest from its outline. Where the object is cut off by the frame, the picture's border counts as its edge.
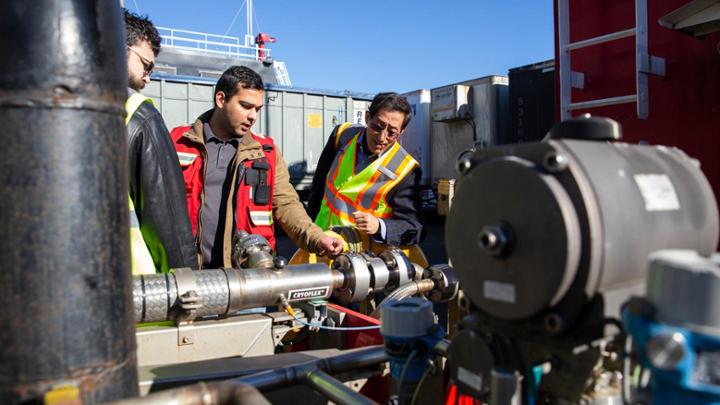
(329, 246)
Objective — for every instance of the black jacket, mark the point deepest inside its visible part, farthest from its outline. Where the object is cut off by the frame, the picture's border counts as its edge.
(156, 186)
(406, 225)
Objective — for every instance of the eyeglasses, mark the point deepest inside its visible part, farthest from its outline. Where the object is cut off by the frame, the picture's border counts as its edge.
(381, 127)
(148, 65)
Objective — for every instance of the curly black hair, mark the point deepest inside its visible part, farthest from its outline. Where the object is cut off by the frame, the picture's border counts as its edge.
(139, 28)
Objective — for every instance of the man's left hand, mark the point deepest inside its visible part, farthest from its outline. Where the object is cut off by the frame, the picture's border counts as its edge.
(366, 222)
(329, 246)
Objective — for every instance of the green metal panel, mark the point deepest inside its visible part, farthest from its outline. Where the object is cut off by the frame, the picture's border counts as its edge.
(313, 133)
(176, 91)
(201, 92)
(175, 112)
(292, 142)
(152, 89)
(299, 121)
(335, 114)
(196, 108)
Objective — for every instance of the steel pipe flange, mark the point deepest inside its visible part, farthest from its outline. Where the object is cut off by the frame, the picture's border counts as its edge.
(357, 278)
(379, 270)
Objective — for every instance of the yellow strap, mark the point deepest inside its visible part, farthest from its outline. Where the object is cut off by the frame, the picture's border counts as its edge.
(142, 262)
(133, 103)
(339, 132)
(63, 395)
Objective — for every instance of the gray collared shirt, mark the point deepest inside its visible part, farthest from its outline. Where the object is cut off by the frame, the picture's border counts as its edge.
(220, 157)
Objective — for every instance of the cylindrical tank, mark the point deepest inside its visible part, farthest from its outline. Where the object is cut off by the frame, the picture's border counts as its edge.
(224, 291)
(67, 314)
(547, 225)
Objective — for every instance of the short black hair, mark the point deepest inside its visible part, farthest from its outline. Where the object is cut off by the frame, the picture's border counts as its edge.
(139, 28)
(242, 75)
(393, 102)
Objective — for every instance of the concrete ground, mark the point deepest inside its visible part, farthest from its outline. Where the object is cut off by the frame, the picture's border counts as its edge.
(433, 245)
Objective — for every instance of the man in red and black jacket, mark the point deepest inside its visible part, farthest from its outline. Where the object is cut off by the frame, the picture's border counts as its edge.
(236, 179)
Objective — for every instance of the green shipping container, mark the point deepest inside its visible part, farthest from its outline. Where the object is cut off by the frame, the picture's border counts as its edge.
(299, 120)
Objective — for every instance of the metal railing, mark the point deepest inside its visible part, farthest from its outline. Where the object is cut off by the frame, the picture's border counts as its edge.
(210, 43)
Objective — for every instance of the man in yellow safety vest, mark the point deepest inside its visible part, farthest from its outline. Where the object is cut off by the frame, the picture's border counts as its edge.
(366, 179)
(160, 233)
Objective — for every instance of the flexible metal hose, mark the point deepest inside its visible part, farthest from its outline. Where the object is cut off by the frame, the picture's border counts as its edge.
(407, 290)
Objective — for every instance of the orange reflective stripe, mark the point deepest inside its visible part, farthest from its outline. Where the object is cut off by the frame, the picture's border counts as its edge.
(339, 132)
(407, 163)
(338, 161)
(391, 171)
(341, 214)
(334, 196)
(373, 179)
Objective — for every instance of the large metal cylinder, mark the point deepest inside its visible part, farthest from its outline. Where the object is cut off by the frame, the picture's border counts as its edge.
(224, 291)
(67, 313)
(548, 225)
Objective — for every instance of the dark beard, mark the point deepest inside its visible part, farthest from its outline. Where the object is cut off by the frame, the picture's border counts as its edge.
(136, 84)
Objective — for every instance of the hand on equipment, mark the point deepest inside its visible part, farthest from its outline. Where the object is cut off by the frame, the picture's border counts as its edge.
(329, 246)
(366, 222)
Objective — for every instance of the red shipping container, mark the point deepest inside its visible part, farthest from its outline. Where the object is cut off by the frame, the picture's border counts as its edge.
(683, 105)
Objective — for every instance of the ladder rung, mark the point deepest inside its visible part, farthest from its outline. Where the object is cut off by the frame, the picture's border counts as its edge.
(601, 102)
(599, 40)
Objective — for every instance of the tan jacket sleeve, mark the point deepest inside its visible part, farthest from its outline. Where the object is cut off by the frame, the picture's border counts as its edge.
(290, 213)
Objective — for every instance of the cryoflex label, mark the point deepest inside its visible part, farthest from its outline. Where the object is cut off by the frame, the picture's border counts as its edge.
(469, 378)
(658, 192)
(495, 290)
(308, 293)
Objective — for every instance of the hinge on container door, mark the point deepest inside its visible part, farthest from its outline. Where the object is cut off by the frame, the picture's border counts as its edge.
(651, 64)
(577, 80)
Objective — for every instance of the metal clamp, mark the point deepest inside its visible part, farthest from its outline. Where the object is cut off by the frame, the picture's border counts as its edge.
(189, 301)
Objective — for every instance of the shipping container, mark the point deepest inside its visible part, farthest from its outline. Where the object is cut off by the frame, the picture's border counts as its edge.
(416, 139)
(532, 102)
(667, 81)
(298, 119)
(485, 109)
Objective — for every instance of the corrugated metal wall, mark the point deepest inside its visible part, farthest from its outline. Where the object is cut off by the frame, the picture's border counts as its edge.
(299, 120)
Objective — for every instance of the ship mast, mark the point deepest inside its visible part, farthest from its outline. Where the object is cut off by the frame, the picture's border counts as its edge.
(249, 37)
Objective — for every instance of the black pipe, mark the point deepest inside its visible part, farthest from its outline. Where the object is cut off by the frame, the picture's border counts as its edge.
(279, 378)
(67, 313)
(312, 373)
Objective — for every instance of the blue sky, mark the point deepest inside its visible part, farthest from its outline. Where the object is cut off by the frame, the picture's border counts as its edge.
(374, 45)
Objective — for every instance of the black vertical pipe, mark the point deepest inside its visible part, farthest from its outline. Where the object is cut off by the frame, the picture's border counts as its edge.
(65, 302)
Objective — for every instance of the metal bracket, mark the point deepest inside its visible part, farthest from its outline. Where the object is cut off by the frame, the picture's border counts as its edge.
(185, 333)
(653, 65)
(315, 311)
(577, 80)
(190, 301)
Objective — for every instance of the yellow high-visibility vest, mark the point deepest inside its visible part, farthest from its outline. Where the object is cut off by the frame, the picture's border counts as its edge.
(142, 259)
(366, 191)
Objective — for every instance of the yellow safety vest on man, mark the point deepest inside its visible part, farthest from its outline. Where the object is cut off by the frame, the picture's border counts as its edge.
(366, 191)
(143, 243)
